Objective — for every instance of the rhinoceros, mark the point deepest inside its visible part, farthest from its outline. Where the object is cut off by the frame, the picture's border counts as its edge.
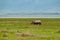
(36, 22)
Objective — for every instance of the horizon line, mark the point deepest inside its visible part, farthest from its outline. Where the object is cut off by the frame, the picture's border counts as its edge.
(29, 17)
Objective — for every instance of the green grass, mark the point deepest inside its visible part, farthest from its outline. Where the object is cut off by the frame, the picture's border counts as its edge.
(47, 31)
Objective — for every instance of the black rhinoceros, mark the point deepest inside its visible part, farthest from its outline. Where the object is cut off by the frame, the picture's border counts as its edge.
(36, 22)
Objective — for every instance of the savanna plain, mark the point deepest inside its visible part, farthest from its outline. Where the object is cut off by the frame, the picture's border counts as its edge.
(22, 29)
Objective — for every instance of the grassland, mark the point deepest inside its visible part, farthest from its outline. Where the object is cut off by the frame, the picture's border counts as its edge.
(14, 28)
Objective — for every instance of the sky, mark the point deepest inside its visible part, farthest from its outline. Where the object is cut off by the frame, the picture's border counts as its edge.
(29, 6)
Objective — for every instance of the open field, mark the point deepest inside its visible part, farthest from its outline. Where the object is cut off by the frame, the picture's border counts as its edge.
(22, 29)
